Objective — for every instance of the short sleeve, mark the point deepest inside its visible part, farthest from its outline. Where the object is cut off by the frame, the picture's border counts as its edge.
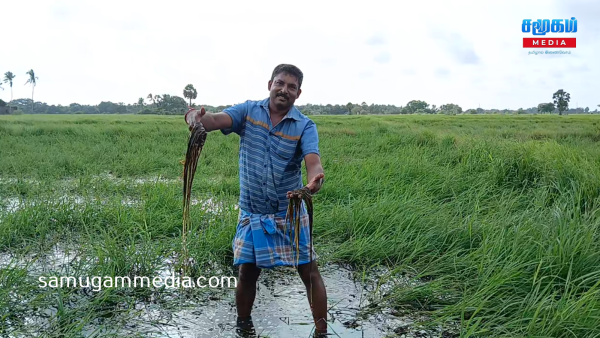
(238, 115)
(309, 141)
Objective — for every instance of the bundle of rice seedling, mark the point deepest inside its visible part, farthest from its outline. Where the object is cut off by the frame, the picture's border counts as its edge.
(293, 215)
(195, 145)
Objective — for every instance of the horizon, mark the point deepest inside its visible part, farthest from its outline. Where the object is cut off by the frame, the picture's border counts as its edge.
(572, 106)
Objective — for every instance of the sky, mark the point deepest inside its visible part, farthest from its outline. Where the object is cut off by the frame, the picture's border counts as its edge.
(468, 53)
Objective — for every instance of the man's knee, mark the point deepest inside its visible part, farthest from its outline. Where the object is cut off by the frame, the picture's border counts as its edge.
(305, 272)
(248, 273)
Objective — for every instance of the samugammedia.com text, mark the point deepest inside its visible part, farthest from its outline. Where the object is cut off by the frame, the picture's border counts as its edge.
(97, 283)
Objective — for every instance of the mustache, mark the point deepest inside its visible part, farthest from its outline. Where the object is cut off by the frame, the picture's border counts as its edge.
(285, 96)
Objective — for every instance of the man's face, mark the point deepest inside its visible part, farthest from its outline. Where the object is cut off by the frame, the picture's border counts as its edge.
(284, 90)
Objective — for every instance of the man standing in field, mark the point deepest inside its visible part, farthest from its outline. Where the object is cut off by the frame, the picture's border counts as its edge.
(274, 139)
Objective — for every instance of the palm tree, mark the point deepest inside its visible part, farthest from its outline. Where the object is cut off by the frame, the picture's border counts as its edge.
(32, 80)
(189, 92)
(9, 77)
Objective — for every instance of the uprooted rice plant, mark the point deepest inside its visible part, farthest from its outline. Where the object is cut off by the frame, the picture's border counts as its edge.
(496, 217)
(195, 144)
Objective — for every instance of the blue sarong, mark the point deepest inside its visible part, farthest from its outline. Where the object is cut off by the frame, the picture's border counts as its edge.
(268, 241)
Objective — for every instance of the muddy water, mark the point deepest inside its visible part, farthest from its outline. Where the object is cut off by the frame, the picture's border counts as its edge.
(281, 306)
(13, 204)
(280, 310)
(69, 182)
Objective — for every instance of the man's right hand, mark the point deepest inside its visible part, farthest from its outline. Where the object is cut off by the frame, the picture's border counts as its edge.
(194, 116)
(211, 121)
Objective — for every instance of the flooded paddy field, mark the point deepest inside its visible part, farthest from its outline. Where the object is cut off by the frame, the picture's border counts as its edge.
(428, 226)
(281, 308)
(83, 258)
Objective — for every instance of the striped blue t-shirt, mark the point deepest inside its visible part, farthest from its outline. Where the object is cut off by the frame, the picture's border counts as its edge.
(270, 158)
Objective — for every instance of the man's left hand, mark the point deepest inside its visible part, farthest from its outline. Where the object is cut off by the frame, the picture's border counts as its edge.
(313, 185)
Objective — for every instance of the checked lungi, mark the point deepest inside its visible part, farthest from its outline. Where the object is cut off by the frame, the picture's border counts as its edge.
(267, 241)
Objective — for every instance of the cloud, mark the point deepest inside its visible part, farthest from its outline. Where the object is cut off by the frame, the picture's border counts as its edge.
(383, 57)
(442, 73)
(61, 13)
(464, 54)
(366, 74)
(456, 45)
(376, 39)
(557, 75)
(581, 67)
(585, 12)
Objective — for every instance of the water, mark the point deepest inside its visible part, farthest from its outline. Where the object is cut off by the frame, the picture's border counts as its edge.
(280, 310)
(13, 204)
(70, 182)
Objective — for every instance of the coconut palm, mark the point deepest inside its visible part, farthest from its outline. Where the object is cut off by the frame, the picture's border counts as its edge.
(189, 92)
(32, 80)
(8, 78)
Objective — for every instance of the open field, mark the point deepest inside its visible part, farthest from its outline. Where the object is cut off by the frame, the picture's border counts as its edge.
(477, 225)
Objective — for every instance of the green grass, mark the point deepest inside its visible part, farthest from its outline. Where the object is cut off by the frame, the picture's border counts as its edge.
(498, 216)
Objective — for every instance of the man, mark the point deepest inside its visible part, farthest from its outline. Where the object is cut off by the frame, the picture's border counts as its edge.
(274, 139)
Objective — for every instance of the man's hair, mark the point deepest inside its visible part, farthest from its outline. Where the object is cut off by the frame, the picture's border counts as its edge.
(289, 69)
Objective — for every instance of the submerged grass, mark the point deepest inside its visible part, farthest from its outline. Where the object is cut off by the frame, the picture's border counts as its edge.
(498, 216)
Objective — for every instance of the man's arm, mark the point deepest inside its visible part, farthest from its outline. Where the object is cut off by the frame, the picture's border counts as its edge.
(309, 145)
(230, 120)
(314, 172)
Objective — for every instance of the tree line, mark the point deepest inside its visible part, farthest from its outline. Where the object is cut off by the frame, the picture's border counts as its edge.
(166, 104)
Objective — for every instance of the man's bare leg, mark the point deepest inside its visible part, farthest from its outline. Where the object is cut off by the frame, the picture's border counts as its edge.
(245, 294)
(319, 294)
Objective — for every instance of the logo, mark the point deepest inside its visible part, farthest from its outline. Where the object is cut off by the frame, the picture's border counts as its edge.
(542, 26)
